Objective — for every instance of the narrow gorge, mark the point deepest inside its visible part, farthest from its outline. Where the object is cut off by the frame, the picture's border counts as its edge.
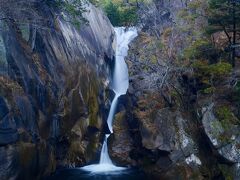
(120, 85)
(119, 89)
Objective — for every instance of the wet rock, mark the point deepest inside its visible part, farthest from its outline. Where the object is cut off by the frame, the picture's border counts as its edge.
(158, 132)
(8, 136)
(8, 165)
(166, 131)
(3, 108)
(120, 142)
(227, 147)
(52, 101)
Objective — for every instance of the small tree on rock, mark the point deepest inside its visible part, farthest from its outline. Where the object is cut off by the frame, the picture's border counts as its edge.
(224, 15)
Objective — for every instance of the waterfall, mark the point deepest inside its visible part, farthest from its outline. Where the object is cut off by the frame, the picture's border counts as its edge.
(104, 157)
(120, 83)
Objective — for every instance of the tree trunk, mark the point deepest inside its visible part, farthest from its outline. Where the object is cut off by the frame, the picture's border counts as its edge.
(234, 32)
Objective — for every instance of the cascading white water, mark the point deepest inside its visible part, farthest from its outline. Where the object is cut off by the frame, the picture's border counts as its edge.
(120, 85)
(104, 157)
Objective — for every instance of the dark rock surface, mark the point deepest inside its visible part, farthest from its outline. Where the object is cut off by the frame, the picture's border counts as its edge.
(168, 127)
(52, 96)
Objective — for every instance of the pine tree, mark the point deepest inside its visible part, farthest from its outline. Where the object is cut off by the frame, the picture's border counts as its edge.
(224, 15)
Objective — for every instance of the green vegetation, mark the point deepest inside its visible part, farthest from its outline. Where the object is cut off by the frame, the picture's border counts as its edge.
(119, 13)
(205, 54)
(223, 125)
(216, 70)
(226, 117)
(227, 172)
(193, 14)
(224, 16)
(200, 49)
(202, 19)
(73, 8)
(209, 74)
(220, 69)
(209, 90)
(39, 13)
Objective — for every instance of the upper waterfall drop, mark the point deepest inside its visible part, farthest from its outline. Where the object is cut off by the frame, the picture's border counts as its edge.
(120, 75)
(120, 83)
(120, 80)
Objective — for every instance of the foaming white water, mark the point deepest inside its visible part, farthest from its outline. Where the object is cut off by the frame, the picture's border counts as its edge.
(120, 75)
(104, 158)
(102, 168)
(112, 113)
(120, 85)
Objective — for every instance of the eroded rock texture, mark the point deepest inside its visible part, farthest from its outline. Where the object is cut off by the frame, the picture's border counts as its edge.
(166, 124)
(52, 92)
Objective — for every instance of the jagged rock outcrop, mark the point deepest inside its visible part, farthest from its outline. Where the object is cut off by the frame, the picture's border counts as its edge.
(52, 96)
(174, 130)
(53, 82)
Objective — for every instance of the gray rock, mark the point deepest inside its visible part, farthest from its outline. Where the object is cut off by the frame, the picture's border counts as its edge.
(3, 108)
(214, 130)
(212, 126)
(55, 86)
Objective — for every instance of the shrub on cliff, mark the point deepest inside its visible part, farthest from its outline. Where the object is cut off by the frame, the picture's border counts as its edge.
(119, 13)
(29, 12)
(200, 49)
(224, 16)
(74, 9)
(209, 75)
(216, 70)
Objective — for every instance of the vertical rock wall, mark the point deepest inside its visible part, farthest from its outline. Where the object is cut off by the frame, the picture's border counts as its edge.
(53, 94)
(165, 125)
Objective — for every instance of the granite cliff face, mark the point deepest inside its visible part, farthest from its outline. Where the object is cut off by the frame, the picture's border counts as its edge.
(54, 97)
(53, 93)
(166, 124)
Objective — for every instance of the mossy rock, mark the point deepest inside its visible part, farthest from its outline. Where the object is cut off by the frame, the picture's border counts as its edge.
(227, 171)
(77, 105)
(93, 112)
(89, 87)
(92, 147)
(118, 124)
(80, 127)
(9, 87)
(35, 160)
(226, 117)
(83, 103)
(76, 153)
(26, 154)
(51, 167)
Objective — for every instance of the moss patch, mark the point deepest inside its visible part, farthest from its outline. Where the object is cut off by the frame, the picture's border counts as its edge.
(76, 152)
(226, 117)
(227, 172)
